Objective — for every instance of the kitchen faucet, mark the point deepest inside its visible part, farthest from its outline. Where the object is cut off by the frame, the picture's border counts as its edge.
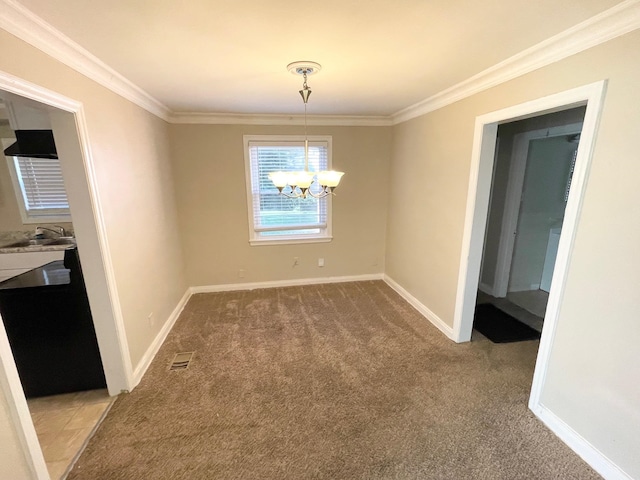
(61, 232)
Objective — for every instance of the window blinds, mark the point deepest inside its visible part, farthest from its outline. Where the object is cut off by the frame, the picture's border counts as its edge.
(275, 214)
(41, 184)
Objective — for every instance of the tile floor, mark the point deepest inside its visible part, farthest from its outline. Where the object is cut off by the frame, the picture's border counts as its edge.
(64, 423)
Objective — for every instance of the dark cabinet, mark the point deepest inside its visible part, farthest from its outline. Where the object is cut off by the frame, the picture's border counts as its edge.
(49, 325)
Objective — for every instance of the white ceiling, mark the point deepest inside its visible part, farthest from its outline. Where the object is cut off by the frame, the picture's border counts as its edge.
(378, 57)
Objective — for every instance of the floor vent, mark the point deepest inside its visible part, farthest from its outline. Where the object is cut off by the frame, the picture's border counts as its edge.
(181, 361)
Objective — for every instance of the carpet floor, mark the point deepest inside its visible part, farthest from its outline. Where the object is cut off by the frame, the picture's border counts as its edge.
(340, 381)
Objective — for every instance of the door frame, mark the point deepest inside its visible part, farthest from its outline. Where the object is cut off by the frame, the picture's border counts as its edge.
(486, 128)
(515, 184)
(69, 119)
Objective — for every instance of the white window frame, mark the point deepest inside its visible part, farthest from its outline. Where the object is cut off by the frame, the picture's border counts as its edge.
(32, 216)
(325, 234)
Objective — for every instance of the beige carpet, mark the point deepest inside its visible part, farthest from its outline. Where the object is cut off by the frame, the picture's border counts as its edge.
(342, 381)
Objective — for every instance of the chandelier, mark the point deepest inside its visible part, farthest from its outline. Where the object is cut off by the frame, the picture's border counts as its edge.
(297, 184)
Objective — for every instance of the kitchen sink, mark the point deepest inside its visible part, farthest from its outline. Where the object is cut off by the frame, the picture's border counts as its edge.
(62, 241)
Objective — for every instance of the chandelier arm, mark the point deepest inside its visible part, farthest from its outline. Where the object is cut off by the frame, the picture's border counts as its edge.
(322, 194)
(288, 195)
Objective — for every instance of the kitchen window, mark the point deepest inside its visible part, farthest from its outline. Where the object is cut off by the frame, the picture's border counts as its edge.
(274, 218)
(39, 189)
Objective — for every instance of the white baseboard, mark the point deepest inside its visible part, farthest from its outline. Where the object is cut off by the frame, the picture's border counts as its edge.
(485, 288)
(151, 352)
(594, 457)
(230, 287)
(415, 303)
(525, 288)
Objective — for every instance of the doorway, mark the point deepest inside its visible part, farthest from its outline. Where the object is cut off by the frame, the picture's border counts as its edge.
(482, 162)
(532, 174)
(69, 127)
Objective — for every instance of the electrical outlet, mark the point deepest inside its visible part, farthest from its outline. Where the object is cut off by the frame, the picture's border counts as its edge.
(241, 273)
(151, 320)
(321, 262)
(296, 261)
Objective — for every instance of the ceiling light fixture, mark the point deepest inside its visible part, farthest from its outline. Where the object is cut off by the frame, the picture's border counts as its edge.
(299, 182)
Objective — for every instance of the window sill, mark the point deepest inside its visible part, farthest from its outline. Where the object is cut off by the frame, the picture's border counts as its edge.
(289, 241)
(33, 219)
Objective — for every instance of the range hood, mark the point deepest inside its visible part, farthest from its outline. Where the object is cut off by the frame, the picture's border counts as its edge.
(33, 144)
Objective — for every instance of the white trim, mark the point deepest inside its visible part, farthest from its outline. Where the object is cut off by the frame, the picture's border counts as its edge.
(420, 307)
(594, 94)
(151, 352)
(12, 389)
(590, 454)
(232, 287)
(103, 241)
(517, 168)
(484, 141)
(524, 288)
(290, 241)
(614, 22)
(278, 119)
(24, 24)
(511, 213)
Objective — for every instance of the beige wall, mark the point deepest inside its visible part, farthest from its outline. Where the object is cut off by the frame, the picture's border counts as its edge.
(591, 384)
(130, 152)
(209, 176)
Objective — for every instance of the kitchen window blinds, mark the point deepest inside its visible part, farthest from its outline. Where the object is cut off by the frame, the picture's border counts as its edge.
(40, 181)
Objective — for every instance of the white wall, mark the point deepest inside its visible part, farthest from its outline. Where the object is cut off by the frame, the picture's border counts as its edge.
(591, 383)
(541, 209)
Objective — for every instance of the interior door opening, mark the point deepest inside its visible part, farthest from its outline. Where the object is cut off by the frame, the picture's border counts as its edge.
(530, 186)
(44, 306)
(69, 127)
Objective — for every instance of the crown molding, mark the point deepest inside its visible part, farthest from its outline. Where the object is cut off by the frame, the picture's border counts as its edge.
(612, 23)
(250, 119)
(22, 23)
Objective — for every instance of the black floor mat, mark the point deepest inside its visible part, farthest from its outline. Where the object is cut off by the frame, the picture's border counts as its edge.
(500, 327)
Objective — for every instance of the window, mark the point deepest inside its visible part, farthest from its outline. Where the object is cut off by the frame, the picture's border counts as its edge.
(39, 188)
(274, 218)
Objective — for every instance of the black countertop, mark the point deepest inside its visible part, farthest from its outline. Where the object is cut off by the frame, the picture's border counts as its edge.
(53, 273)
